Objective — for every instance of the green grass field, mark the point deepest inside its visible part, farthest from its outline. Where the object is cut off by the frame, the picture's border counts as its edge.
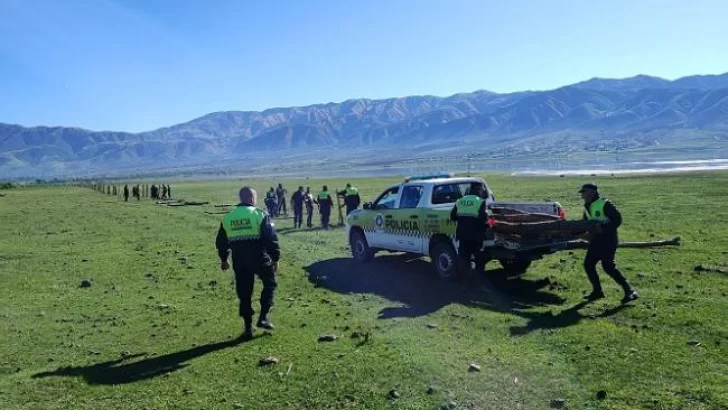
(156, 329)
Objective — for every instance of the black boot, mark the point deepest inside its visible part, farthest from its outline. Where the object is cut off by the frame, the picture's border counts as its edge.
(247, 329)
(264, 321)
(596, 294)
(629, 295)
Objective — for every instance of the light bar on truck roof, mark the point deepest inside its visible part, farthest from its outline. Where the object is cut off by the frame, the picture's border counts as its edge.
(421, 177)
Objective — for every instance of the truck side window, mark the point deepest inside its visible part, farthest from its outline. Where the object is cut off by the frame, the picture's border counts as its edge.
(411, 195)
(387, 199)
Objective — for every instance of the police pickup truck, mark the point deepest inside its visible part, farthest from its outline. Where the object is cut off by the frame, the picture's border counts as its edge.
(414, 217)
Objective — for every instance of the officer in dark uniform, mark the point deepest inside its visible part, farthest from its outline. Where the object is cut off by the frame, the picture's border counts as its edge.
(325, 204)
(297, 204)
(248, 232)
(603, 243)
(472, 221)
(351, 198)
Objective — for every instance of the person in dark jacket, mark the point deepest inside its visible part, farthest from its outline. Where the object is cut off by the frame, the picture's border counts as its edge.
(472, 221)
(603, 243)
(297, 204)
(247, 233)
(271, 202)
(281, 195)
(126, 193)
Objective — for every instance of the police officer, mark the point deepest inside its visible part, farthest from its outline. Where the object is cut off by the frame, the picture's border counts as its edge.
(309, 201)
(297, 204)
(603, 243)
(351, 198)
(325, 204)
(472, 221)
(248, 232)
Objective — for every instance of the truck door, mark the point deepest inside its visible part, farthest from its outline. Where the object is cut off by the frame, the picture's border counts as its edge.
(383, 207)
(403, 225)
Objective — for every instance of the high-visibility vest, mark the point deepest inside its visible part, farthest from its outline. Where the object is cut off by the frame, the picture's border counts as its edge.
(596, 210)
(323, 195)
(243, 223)
(469, 205)
(351, 191)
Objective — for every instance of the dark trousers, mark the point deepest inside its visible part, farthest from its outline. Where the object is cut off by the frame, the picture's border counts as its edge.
(244, 284)
(297, 216)
(467, 251)
(325, 215)
(272, 208)
(350, 208)
(604, 251)
(282, 206)
(309, 216)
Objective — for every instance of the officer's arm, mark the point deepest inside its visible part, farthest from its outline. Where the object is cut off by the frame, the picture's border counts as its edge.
(269, 239)
(454, 213)
(481, 212)
(615, 218)
(222, 244)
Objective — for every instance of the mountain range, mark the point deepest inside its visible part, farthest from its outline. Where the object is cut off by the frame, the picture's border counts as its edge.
(689, 114)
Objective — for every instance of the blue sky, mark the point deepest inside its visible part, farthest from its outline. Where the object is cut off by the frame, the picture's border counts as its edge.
(142, 64)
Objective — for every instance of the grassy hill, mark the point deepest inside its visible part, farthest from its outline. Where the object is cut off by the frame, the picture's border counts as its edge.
(156, 328)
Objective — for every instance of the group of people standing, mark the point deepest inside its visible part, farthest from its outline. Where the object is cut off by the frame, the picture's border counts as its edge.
(135, 191)
(161, 192)
(275, 201)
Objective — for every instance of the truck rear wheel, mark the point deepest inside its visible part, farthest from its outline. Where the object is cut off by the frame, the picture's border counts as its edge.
(360, 247)
(445, 260)
(514, 267)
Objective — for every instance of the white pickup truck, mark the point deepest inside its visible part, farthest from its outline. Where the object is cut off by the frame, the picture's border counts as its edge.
(414, 217)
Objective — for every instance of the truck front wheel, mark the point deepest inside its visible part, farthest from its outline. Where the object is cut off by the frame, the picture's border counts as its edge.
(445, 260)
(360, 247)
(513, 267)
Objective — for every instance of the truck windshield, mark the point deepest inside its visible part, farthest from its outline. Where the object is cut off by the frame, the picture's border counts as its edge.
(449, 193)
(387, 199)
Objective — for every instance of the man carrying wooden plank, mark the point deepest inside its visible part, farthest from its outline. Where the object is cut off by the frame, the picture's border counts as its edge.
(603, 243)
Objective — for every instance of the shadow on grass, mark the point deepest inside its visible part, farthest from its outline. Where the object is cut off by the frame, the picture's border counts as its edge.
(287, 231)
(118, 372)
(565, 318)
(411, 282)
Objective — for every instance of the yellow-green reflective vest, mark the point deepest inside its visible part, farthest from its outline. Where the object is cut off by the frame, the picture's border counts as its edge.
(323, 195)
(469, 205)
(596, 210)
(243, 223)
(351, 191)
